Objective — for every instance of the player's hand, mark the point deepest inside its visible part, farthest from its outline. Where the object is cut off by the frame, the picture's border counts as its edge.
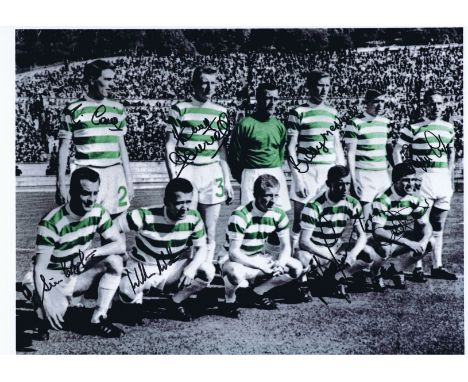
(229, 193)
(278, 269)
(357, 189)
(301, 189)
(54, 306)
(184, 282)
(268, 267)
(417, 247)
(61, 193)
(131, 191)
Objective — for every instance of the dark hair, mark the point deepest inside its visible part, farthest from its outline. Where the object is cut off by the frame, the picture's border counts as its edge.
(263, 182)
(177, 185)
(401, 170)
(199, 70)
(314, 77)
(263, 87)
(372, 94)
(336, 173)
(80, 174)
(429, 93)
(93, 70)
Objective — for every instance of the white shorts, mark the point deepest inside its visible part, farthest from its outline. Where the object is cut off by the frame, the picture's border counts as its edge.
(248, 273)
(436, 189)
(207, 180)
(113, 191)
(371, 183)
(249, 175)
(155, 276)
(314, 180)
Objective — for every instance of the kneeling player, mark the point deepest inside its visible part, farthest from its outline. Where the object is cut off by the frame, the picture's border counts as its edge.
(248, 229)
(323, 222)
(65, 264)
(163, 256)
(395, 239)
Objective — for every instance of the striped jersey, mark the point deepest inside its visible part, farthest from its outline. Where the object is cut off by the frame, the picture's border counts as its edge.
(327, 219)
(253, 227)
(396, 213)
(63, 234)
(159, 237)
(199, 129)
(95, 127)
(429, 141)
(370, 134)
(316, 126)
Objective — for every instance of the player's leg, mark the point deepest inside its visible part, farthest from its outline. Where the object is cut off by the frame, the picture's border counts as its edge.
(437, 219)
(296, 228)
(203, 278)
(109, 269)
(210, 215)
(293, 271)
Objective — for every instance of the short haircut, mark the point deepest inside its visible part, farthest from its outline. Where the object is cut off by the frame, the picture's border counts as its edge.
(199, 70)
(177, 185)
(336, 173)
(372, 94)
(263, 182)
(93, 70)
(401, 170)
(263, 87)
(429, 93)
(315, 76)
(80, 174)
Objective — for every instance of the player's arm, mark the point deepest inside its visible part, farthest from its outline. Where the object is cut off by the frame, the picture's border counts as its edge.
(301, 189)
(360, 242)
(63, 153)
(235, 155)
(257, 262)
(45, 242)
(306, 244)
(340, 157)
(226, 174)
(451, 162)
(351, 146)
(168, 158)
(126, 167)
(405, 139)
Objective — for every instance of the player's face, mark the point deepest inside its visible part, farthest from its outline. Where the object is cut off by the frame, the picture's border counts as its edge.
(267, 103)
(84, 200)
(103, 83)
(340, 188)
(178, 207)
(319, 91)
(376, 106)
(205, 87)
(409, 184)
(267, 199)
(435, 107)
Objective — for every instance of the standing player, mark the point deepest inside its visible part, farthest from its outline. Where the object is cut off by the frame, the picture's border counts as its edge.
(247, 232)
(257, 146)
(401, 232)
(195, 150)
(431, 144)
(97, 126)
(366, 139)
(314, 145)
(162, 257)
(324, 220)
(65, 265)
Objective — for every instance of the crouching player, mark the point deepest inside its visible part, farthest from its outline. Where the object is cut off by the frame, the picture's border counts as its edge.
(66, 266)
(170, 250)
(401, 231)
(323, 222)
(246, 239)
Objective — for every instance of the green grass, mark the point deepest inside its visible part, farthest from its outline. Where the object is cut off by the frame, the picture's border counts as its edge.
(424, 319)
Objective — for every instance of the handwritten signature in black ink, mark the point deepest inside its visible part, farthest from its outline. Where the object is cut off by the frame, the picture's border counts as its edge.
(48, 286)
(76, 269)
(221, 134)
(96, 119)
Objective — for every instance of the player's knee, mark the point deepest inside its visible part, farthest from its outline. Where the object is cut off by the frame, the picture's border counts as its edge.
(364, 257)
(304, 257)
(114, 264)
(206, 272)
(231, 271)
(126, 292)
(295, 268)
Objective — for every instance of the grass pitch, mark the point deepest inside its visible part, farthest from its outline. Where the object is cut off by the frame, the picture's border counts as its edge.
(424, 319)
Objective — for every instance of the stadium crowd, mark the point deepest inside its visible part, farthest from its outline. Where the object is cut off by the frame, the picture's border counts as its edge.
(149, 84)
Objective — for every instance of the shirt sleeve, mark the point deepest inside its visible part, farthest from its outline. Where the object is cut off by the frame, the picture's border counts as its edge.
(66, 125)
(47, 237)
(379, 212)
(310, 216)
(406, 136)
(420, 208)
(282, 225)
(173, 120)
(293, 123)
(198, 235)
(123, 123)
(350, 133)
(236, 227)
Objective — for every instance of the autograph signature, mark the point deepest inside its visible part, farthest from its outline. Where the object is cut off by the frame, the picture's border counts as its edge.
(96, 119)
(221, 133)
(312, 152)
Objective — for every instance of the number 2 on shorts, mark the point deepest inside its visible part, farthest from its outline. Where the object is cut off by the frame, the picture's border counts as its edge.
(220, 183)
(122, 201)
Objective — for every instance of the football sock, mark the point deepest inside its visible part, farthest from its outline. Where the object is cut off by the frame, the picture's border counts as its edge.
(229, 290)
(106, 290)
(211, 251)
(418, 264)
(437, 250)
(196, 286)
(272, 283)
(294, 240)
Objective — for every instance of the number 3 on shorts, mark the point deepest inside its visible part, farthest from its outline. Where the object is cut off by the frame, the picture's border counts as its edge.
(220, 184)
(122, 195)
